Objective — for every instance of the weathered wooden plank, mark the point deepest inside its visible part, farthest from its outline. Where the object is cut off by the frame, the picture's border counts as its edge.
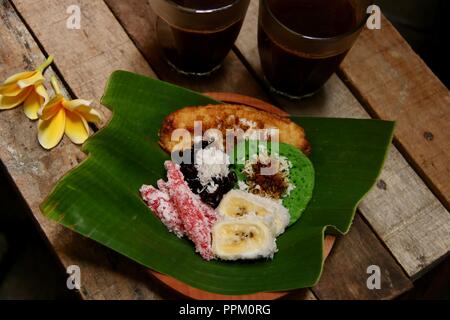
(396, 84)
(127, 14)
(402, 210)
(360, 249)
(409, 219)
(85, 57)
(105, 274)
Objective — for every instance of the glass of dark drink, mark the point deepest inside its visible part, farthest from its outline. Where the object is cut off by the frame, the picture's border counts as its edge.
(195, 36)
(303, 42)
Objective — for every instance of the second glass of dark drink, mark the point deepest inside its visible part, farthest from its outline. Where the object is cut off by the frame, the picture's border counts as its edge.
(303, 42)
(195, 36)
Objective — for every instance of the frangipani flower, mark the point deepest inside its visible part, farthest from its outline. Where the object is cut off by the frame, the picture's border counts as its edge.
(27, 88)
(61, 116)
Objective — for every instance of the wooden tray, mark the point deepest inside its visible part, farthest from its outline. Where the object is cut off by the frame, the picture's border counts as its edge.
(198, 294)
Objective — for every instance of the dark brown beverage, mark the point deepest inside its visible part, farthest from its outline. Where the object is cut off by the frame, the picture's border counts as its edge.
(197, 51)
(298, 73)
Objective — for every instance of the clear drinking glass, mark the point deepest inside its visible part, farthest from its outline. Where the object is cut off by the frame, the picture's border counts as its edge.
(195, 36)
(303, 42)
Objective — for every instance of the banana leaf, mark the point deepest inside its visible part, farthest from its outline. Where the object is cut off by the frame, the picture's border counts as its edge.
(100, 198)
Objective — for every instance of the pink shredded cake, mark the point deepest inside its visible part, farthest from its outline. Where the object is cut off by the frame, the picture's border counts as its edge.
(160, 204)
(181, 210)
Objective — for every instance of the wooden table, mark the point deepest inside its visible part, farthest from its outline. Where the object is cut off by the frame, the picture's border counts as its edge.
(403, 225)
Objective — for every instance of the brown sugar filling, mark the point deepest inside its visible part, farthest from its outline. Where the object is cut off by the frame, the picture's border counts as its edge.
(273, 186)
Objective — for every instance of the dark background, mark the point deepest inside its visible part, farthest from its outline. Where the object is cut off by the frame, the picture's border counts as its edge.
(28, 267)
(425, 25)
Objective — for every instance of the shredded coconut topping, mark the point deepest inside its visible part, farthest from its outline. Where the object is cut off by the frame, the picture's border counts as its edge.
(242, 186)
(211, 163)
(279, 166)
(248, 123)
(181, 210)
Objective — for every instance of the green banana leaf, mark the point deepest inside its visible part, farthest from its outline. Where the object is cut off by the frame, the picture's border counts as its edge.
(100, 200)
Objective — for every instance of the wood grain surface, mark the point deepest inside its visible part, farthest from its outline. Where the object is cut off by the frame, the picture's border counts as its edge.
(359, 247)
(396, 84)
(105, 274)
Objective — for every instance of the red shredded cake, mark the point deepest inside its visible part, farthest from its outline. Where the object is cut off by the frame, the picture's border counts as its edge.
(181, 210)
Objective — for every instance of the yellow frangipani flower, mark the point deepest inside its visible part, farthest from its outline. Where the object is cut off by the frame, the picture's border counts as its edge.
(27, 88)
(61, 116)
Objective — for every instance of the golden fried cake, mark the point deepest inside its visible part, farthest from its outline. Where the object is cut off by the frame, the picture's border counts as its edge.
(228, 116)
